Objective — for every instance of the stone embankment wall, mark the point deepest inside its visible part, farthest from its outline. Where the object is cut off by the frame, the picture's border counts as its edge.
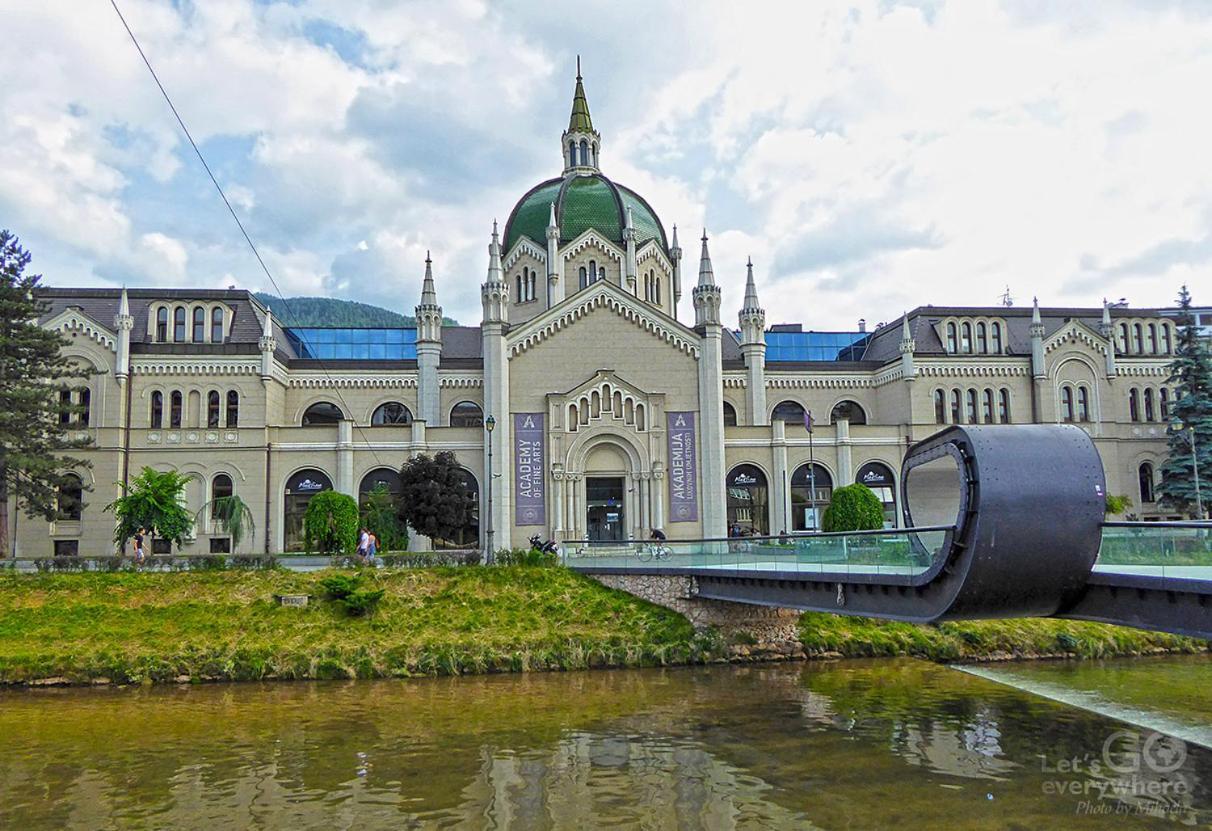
(772, 631)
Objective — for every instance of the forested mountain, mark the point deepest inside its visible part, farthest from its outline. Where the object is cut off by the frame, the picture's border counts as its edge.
(328, 311)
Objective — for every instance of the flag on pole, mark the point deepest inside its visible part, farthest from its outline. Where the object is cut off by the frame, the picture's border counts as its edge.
(808, 420)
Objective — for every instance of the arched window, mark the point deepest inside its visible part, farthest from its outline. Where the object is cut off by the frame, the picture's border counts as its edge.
(951, 342)
(982, 341)
(584, 277)
(848, 410)
(1003, 406)
(1163, 403)
(393, 412)
(233, 408)
(878, 476)
(966, 336)
(593, 271)
(748, 502)
(65, 406)
(157, 410)
(729, 415)
(1149, 414)
(1123, 338)
(162, 324)
(212, 409)
(220, 488)
(518, 286)
(940, 407)
(534, 284)
(84, 416)
(1083, 403)
(572, 154)
(791, 411)
(973, 417)
(199, 330)
(995, 330)
(1145, 474)
(1165, 333)
(179, 324)
(957, 407)
(1138, 345)
(811, 493)
(174, 410)
(1153, 338)
(300, 488)
(1134, 404)
(1067, 402)
(216, 325)
(987, 407)
(71, 497)
(322, 413)
(584, 152)
(466, 414)
(658, 290)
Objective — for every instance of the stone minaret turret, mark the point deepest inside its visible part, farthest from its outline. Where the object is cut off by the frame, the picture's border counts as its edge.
(555, 292)
(1038, 370)
(908, 345)
(753, 348)
(711, 397)
(267, 344)
(629, 268)
(124, 322)
(675, 251)
(1106, 329)
(580, 142)
(429, 350)
(494, 297)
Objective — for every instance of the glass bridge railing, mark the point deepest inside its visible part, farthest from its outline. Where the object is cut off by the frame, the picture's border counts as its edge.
(1181, 550)
(903, 552)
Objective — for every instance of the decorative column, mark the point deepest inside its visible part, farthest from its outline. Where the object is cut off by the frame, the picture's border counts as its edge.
(781, 486)
(555, 289)
(1107, 331)
(267, 345)
(557, 504)
(645, 505)
(124, 322)
(675, 251)
(657, 492)
(845, 469)
(494, 296)
(753, 348)
(345, 482)
(1039, 371)
(908, 345)
(711, 398)
(629, 269)
(429, 349)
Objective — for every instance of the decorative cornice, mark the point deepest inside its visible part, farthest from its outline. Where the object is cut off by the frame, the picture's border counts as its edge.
(76, 321)
(822, 382)
(735, 382)
(461, 381)
(605, 296)
(313, 382)
(196, 367)
(589, 239)
(1143, 370)
(524, 246)
(974, 370)
(651, 250)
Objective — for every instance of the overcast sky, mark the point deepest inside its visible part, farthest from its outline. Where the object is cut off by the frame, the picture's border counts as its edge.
(870, 156)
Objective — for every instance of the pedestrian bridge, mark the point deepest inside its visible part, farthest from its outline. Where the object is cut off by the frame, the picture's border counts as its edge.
(1009, 523)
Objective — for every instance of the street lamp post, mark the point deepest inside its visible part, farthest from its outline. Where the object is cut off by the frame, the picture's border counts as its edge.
(489, 424)
(1199, 501)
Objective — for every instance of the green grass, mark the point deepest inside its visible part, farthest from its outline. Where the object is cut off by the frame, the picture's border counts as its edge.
(225, 625)
(983, 639)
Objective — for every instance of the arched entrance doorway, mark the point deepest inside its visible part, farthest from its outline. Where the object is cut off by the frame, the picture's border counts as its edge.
(811, 492)
(606, 486)
(300, 488)
(748, 502)
(878, 476)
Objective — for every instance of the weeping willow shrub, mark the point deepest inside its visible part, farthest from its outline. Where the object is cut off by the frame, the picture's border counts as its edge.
(232, 517)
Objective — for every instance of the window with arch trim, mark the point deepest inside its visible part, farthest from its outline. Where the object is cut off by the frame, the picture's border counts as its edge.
(1003, 406)
(179, 324)
(940, 407)
(1150, 415)
(729, 415)
(966, 337)
(584, 275)
(792, 411)
(216, 325)
(1123, 338)
(1083, 403)
(71, 497)
(233, 409)
(322, 413)
(1134, 404)
(162, 324)
(1153, 338)
(393, 412)
(1163, 403)
(982, 340)
(848, 410)
(987, 406)
(1067, 403)
(995, 333)
(584, 152)
(157, 410)
(466, 414)
(1145, 476)
(198, 335)
(957, 407)
(174, 410)
(952, 343)
(1165, 333)
(973, 417)
(1138, 339)
(212, 409)
(220, 488)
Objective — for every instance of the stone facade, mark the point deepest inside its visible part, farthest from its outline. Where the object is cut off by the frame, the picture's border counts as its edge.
(605, 365)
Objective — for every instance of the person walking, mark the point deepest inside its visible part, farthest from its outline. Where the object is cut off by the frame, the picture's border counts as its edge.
(139, 547)
(363, 544)
(372, 548)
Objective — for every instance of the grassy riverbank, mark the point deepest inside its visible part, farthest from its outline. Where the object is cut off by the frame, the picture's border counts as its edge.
(225, 625)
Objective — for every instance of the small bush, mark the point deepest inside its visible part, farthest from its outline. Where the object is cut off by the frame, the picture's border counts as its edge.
(339, 586)
(347, 591)
(331, 523)
(525, 557)
(854, 508)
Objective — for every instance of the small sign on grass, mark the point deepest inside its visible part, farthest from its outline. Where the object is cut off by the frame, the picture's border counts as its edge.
(292, 599)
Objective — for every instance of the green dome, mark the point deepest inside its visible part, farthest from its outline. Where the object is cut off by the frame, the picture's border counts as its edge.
(582, 202)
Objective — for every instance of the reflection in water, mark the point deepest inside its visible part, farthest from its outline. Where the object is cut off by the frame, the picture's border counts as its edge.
(855, 744)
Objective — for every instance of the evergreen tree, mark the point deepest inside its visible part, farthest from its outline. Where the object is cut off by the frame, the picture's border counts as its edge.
(433, 498)
(32, 374)
(1191, 375)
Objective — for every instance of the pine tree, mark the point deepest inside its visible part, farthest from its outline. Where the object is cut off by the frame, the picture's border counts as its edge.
(1191, 375)
(32, 373)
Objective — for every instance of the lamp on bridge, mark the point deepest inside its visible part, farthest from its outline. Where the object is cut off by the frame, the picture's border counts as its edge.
(489, 424)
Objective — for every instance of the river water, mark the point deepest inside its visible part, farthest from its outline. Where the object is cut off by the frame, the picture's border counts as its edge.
(845, 745)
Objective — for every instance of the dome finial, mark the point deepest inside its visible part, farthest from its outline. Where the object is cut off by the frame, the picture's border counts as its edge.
(578, 67)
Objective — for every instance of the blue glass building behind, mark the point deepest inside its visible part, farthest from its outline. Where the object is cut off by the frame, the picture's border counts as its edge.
(353, 344)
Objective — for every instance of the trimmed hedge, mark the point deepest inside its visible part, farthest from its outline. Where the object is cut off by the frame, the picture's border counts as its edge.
(854, 508)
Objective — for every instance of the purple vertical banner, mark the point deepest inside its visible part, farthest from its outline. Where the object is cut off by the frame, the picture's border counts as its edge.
(529, 461)
(683, 468)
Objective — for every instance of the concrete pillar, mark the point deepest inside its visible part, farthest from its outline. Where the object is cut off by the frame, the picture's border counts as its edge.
(429, 395)
(645, 505)
(845, 469)
(345, 483)
(780, 487)
(658, 499)
(557, 501)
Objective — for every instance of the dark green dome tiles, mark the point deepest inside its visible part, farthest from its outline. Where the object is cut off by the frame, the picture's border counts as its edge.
(582, 202)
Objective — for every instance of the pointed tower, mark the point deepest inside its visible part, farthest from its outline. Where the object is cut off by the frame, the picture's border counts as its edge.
(675, 251)
(908, 345)
(711, 397)
(580, 143)
(429, 349)
(267, 344)
(629, 243)
(124, 322)
(1107, 330)
(555, 292)
(1038, 369)
(753, 348)
(494, 297)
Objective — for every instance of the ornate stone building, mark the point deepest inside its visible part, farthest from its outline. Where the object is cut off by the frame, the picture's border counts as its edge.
(611, 415)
